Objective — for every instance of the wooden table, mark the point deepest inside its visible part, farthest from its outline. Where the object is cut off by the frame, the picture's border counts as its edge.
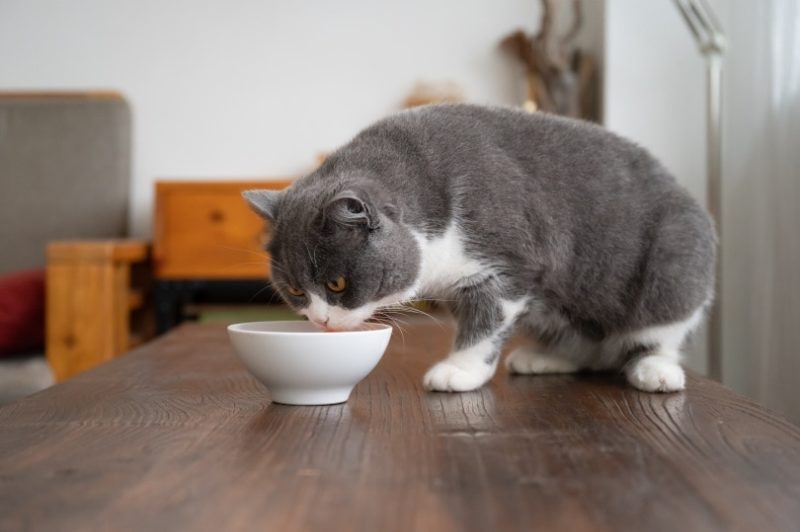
(177, 436)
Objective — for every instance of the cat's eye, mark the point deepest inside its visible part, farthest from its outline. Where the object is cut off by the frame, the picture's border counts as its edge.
(296, 292)
(338, 285)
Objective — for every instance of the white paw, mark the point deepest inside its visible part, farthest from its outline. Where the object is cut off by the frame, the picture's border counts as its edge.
(656, 374)
(527, 362)
(446, 376)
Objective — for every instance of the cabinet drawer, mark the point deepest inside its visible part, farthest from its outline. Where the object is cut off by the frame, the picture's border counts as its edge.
(206, 230)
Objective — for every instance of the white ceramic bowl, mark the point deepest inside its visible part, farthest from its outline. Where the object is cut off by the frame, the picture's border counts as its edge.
(301, 365)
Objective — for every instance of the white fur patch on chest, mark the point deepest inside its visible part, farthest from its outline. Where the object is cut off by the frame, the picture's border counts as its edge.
(444, 264)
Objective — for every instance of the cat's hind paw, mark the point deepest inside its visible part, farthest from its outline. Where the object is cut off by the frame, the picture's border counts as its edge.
(446, 376)
(527, 362)
(656, 373)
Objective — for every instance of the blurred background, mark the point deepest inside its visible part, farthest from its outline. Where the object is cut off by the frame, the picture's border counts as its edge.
(128, 129)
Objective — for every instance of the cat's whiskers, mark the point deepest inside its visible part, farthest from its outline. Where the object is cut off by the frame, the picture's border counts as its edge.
(311, 257)
(428, 300)
(405, 310)
(278, 268)
(392, 323)
(262, 254)
(314, 255)
(399, 325)
(396, 314)
(266, 263)
(268, 285)
(249, 263)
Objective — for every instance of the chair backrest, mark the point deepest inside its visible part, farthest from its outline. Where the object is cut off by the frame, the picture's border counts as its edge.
(64, 171)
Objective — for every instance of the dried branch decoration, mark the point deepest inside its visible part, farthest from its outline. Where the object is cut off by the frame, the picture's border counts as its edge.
(560, 78)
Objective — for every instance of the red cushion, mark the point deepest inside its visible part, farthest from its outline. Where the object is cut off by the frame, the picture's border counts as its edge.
(21, 312)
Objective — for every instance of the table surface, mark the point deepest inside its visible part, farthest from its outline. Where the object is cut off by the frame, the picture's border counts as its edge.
(177, 435)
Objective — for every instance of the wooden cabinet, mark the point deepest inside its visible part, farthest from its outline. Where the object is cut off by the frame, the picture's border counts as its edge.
(206, 230)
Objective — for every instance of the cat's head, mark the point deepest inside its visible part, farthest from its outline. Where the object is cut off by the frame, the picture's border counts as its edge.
(339, 253)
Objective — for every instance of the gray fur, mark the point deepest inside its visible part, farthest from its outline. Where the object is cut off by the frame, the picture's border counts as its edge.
(316, 239)
(588, 225)
(477, 310)
(264, 202)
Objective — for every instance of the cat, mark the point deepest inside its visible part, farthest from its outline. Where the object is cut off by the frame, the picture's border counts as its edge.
(528, 222)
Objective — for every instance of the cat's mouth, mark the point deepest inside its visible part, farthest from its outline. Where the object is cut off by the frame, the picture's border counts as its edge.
(336, 318)
(327, 327)
(340, 321)
(338, 328)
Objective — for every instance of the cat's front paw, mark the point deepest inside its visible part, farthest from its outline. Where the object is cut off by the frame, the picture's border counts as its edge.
(446, 376)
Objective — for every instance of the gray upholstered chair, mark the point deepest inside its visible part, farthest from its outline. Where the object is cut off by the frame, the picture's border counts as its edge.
(64, 174)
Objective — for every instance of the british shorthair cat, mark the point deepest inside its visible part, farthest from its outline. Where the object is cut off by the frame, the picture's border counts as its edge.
(532, 223)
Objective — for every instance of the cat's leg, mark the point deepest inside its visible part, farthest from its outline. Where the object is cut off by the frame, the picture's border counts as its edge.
(484, 322)
(465, 369)
(655, 366)
(557, 347)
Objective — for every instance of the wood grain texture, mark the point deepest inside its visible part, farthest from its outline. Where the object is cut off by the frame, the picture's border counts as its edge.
(206, 230)
(177, 435)
(89, 302)
(104, 250)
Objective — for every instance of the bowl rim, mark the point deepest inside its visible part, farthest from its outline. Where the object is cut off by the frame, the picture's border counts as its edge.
(374, 328)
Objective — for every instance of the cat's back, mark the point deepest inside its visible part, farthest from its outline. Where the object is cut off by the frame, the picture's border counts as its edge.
(471, 142)
(501, 163)
(503, 150)
(517, 132)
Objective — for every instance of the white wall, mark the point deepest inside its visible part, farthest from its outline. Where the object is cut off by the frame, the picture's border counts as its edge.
(655, 86)
(254, 88)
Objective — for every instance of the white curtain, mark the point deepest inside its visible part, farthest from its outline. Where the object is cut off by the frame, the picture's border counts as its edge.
(761, 203)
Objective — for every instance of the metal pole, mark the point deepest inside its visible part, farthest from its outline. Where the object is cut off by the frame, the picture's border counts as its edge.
(714, 199)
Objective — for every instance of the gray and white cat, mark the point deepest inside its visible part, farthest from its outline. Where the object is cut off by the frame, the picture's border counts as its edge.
(521, 222)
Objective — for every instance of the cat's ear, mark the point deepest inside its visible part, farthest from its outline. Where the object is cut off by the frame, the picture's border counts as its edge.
(264, 202)
(352, 209)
